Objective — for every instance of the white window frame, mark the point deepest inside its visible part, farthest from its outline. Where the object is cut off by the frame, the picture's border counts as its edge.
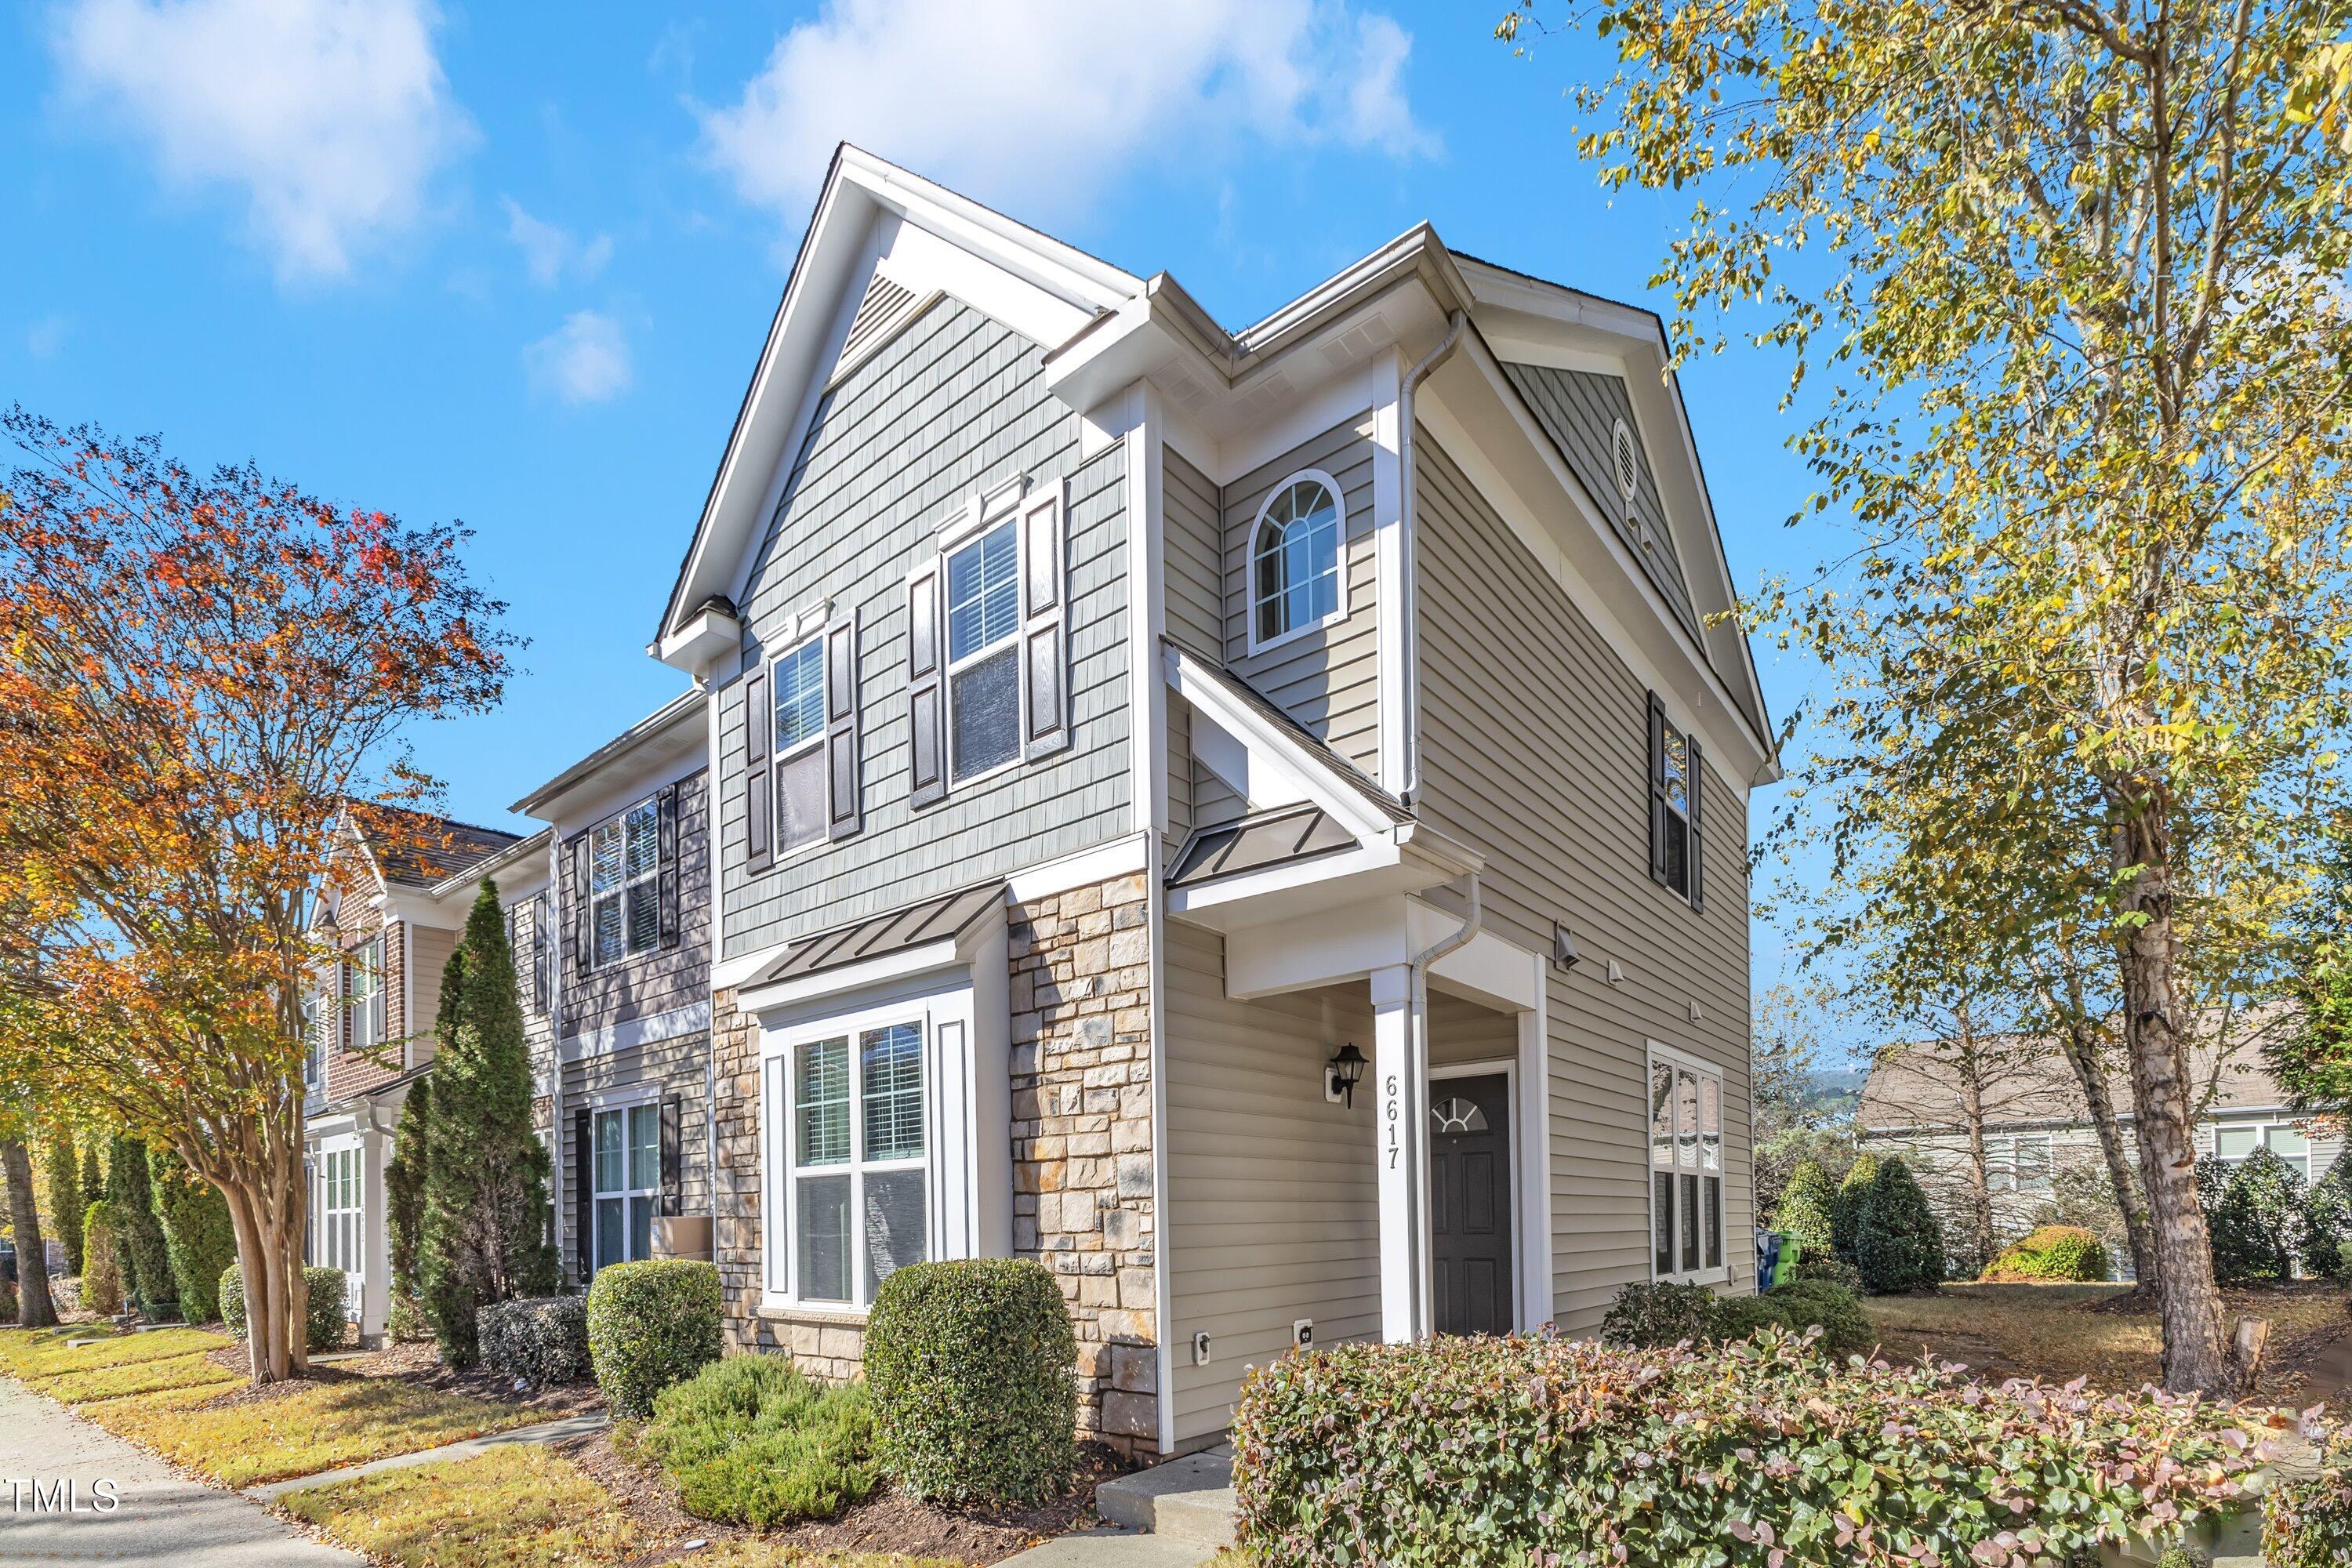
(780, 1094)
(1671, 735)
(1705, 1073)
(369, 1023)
(1340, 560)
(627, 1103)
(620, 890)
(2001, 1170)
(2261, 1128)
(341, 1232)
(1002, 511)
(814, 742)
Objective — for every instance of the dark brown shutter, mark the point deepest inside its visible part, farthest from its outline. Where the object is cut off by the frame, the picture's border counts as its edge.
(759, 772)
(845, 810)
(926, 687)
(1045, 659)
(582, 904)
(344, 1005)
(1657, 791)
(583, 1196)
(669, 816)
(673, 1154)
(1694, 787)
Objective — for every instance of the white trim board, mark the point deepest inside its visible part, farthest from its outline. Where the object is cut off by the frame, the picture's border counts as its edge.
(648, 1030)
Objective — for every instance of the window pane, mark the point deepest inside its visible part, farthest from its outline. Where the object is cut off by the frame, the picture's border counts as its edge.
(645, 916)
(2235, 1142)
(892, 1084)
(986, 700)
(641, 1227)
(1686, 1120)
(606, 918)
(2034, 1165)
(643, 852)
(1689, 1204)
(1662, 1199)
(611, 1170)
(1298, 565)
(800, 800)
(822, 1225)
(1715, 1222)
(823, 1106)
(983, 592)
(2286, 1142)
(894, 1224)
(1710, 1125)
(799, 695)
(1662, 1114)
(1677, 770)
(645, 1146)
(605, 858)
(610, 1231)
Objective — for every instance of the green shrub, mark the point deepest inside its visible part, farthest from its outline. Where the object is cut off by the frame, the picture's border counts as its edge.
(1739, 1317)
(323, 1325)
(9, 1304)
(61, 1184)
(197, 1236)
(101, 1271)
(139, 1245)
(752, 1441)
(1900, 1245)
(1828, 1268)
(971, 1365)
(1646, 1314)
(651, 1324)
(2328, 1222)
(1808, 1208)
(2258, 1219)
(2308, 1523)
(543, 1339)
(1835, 1308)
(1846, 1212)
(1525, 1449)
(405, 1321)
(2052, 1252)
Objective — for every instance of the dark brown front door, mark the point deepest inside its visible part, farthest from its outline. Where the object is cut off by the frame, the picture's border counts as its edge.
(1470, 1203)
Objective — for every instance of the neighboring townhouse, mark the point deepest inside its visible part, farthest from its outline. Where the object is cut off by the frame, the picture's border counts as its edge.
(632, 1104)
(1258, 821)
(395, 909)
(2035, 1125)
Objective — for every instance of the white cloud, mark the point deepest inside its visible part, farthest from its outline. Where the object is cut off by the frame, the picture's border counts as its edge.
(46, 337)
(1041, 103)
(330, 114)
(586, 360)
(548, 249)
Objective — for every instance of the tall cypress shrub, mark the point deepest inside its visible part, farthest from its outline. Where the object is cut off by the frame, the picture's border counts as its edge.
(198, 1236)
(93, 1180)
(403, 1194)
(146, 1258)
(486, 1207)
(62, 1176)
(1901, 1244)
(1808, 1205)
(1853, 1196)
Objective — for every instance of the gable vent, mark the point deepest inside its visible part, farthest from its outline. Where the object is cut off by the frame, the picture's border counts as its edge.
(887, 306)
(1627, 460)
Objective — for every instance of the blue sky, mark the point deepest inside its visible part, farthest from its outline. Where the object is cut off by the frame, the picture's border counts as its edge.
(511, 264)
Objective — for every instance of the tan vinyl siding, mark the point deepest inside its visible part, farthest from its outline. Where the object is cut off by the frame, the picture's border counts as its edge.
(1533, 734)
(428, 951)
(1274, 1209)
(953, 403)
(1215, 803)
(1327, 679)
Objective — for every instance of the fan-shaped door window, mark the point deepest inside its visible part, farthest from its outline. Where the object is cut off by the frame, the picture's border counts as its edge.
(1295, 581)
(1457, 1116)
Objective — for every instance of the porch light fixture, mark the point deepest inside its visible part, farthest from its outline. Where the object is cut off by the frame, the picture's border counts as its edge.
(1341, 1073)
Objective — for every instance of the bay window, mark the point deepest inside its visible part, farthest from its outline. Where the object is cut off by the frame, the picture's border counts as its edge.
(1687, 1200)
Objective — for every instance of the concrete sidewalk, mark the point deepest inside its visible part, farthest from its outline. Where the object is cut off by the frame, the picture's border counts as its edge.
(164, 1520)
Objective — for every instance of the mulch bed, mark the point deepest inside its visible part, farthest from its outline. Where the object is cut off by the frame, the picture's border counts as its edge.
(416, 1363)
(885, 1522)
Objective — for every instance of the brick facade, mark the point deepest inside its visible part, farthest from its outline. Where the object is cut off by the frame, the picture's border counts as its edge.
(1080, 993)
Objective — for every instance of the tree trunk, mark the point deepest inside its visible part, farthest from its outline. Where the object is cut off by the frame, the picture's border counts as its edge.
(2092, 1075)
(264, 1187)
(1980, 1175)
(2196, 1341)
(35, 1310)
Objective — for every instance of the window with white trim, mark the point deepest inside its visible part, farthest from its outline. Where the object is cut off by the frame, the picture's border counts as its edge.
(2290, 1141)
(363, 995)
(624, 884)
(626, 1163)
(1674, 771)
(798, 681)
(2020, 1162)
(983, 580)
(1296, 572)
(1685, 1168)
(856, 1180)
(340, 1206)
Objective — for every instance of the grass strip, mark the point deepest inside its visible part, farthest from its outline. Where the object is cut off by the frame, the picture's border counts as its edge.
(322, 1427)
(196, 1371)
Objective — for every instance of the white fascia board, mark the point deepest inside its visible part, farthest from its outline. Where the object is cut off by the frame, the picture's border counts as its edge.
(702, 643)
(1273, 755)
(1480, 420)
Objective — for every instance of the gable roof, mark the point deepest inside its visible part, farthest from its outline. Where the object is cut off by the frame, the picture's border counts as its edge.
(418, 848)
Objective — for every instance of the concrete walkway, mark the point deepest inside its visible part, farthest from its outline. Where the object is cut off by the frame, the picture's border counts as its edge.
(546, 1432)
(164, 1520)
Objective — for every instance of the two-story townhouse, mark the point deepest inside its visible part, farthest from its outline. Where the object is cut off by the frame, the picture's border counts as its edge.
(1256, 820)
(395, 910)
(632, 1098)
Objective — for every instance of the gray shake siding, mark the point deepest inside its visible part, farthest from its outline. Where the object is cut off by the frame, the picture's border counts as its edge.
(1580, 409)
(955, 402)
(651, 983)
(1533, 735)
(1330, 679)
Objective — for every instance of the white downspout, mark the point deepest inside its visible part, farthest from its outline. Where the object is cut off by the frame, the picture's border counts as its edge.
(1410, 705)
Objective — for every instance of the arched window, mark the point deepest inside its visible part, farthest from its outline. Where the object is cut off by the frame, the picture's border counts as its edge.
(1295, 580)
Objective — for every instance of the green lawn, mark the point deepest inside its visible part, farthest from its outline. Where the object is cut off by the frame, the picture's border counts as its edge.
(195, 1370)
(322, 1427)
(35, 1354)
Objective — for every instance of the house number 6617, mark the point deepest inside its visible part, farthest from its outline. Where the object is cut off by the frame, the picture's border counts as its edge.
(1394, 1115)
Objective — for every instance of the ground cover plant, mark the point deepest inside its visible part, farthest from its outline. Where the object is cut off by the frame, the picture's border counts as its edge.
(1532, 1448)
(753, 1441)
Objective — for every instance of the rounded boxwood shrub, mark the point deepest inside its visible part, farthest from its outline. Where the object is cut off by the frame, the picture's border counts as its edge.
(1899, 1245)
(543, 1339)
(1646, 1314)
(651, 1324)
(1807, 1205)
(2327, 1224)
(323, 1324)
(751, 1440)
(971, 1366)
(1835, 1309)
(1826, 1268)
(1739, 1317)
(2257, 1223)
(2052, 1252)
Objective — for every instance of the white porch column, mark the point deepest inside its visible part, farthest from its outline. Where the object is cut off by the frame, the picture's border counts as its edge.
(373, 1309)
(1399, 1071)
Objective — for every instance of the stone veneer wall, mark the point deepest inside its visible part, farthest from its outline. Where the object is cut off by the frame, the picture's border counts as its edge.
(1079, 992)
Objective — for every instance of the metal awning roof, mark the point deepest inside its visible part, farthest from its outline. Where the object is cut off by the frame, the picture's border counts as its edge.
(944, 919)
(1254, 843)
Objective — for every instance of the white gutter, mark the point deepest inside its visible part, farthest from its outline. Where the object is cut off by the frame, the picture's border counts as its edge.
(1411, 705)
